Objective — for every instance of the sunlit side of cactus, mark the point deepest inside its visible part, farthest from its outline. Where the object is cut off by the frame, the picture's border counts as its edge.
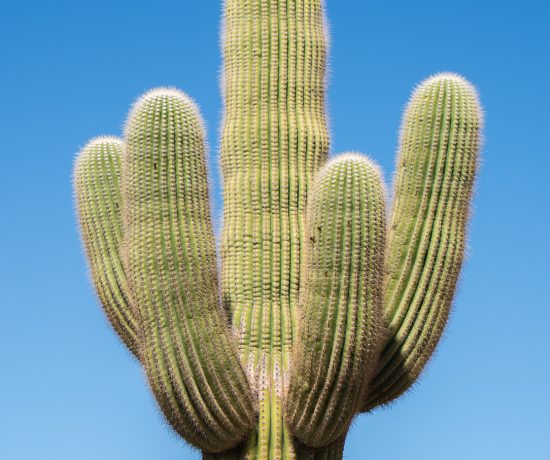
(322, 309)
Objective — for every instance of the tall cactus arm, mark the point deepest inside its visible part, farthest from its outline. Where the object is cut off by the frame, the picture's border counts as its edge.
(98, 200)
(341, 300)
(188, 352)
(440, 143)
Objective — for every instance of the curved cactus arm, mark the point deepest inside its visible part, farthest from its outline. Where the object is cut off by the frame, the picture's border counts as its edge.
(341, 300)
(440, 143)
(98, 201)
(188, 352)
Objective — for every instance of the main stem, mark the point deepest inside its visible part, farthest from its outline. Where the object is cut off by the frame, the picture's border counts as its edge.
(333, 452)
(275, 138)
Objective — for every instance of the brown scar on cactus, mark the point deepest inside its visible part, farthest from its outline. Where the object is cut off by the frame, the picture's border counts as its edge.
(324, 305)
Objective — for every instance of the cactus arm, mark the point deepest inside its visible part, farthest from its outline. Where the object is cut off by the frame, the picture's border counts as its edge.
(341, 300)
(98, 201)
(169, 254)
(436, 169)
(274, 139)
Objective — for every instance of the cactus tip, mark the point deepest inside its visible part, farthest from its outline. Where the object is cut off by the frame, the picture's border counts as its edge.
(164, 91)
(455, 78)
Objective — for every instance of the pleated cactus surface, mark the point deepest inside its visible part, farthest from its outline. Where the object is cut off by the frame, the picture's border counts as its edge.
(326, 304)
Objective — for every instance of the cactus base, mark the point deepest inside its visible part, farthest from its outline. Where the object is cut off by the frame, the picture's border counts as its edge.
(335, 451)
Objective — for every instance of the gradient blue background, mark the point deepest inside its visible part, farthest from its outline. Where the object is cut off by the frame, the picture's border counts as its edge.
(70, 70)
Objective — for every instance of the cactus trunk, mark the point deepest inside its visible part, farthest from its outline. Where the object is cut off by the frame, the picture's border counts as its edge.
(275, 138)
(334, 451)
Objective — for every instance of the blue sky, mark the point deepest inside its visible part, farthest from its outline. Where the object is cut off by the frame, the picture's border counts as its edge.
(70, 70)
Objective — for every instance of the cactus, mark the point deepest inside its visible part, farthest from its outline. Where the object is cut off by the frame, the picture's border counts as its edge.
(319, 313)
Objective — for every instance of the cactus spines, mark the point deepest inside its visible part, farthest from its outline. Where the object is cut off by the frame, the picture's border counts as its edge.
(318, 314)
(187, 350)
(436, 168)
(99, 201)
(275, 137)
(340, 300)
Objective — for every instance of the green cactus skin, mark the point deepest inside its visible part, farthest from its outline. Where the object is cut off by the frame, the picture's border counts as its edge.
(275, 137)
(440, 141)
(187, 350)
(340, 300)
(317, 315)
(99, 202)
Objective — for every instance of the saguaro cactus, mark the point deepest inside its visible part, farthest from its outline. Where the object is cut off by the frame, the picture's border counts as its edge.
(319, 313)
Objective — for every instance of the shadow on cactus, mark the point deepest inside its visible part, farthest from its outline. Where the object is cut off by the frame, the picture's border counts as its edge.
(323, 310)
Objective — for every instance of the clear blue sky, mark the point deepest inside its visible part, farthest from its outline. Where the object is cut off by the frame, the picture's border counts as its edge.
(69, 71)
